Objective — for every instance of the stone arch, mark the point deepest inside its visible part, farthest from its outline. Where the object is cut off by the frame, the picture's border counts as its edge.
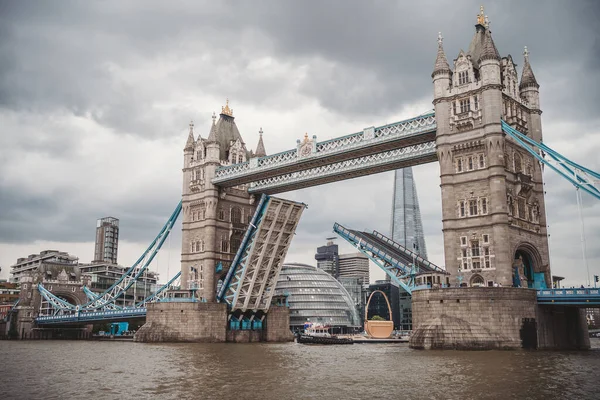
(477, 281)
(76, 298)
(527, 261)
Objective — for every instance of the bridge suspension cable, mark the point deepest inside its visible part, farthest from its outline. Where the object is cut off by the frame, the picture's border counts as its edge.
(580, 176)
(107, 300)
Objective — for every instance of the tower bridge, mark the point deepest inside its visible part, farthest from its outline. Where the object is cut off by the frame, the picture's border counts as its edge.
(485, 132)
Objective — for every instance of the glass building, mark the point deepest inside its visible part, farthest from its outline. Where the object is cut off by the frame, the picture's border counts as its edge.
(315, 296)
(406, 226)
(407, 230)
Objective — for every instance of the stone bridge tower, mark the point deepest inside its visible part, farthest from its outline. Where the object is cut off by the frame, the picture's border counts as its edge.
(494, 218)
(214, 219)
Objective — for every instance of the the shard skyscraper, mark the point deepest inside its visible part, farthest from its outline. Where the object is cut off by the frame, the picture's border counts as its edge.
(406, 227)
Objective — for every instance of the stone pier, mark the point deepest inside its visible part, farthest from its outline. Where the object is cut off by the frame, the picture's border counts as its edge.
(481, 318)
(207, 322)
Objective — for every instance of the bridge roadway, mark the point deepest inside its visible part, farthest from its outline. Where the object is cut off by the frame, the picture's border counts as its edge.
(367, 145)
(584, 297)
(93, 316)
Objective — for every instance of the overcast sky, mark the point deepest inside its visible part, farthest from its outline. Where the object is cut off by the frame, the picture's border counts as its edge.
(96, 97)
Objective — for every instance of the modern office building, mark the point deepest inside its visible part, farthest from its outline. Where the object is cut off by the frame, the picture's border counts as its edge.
(354, 265)
(378, 305)
(46, 261)
(315, 296)
(107, 240)
(328, 258)
(407, 230)
(406, 225)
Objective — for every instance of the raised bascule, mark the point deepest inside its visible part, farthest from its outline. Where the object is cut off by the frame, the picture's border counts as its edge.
(495, 289)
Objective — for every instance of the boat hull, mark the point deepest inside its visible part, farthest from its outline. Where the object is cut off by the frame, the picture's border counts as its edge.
(308, 339)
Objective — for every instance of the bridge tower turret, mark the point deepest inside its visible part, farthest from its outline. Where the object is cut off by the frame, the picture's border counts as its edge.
(214, 219)
(492, 196)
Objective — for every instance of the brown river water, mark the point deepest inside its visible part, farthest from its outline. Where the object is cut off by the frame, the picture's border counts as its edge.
(127, 370)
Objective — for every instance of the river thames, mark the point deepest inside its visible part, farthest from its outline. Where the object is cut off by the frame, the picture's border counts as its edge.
(117, 370)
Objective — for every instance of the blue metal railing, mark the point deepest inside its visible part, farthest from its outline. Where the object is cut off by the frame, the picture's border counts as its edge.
(92, 316)
(573, 296)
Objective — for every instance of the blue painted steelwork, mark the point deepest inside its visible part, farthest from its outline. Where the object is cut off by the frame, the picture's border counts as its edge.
(398, 262)
(588, 297)
(156, 295)
(571, 171)
(91, 316)
(383, 260)
(107, 299)
(242, 252)
(370, 141)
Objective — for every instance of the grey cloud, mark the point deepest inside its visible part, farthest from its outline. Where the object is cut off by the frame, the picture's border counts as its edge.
(134, 67)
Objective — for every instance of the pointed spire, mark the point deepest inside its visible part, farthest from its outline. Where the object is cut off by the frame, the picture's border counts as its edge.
(489, 50)
(527, 77)
(190, 141)
(260, 148)
(441, 62)
(212, 136)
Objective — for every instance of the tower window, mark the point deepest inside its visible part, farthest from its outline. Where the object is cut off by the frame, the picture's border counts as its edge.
(462, 208)
(454, 107)
(486, 238)
(221, 214)
(459, 165)
(465, 106)
(521, 207)
(472, 207)
(475, 248)
(470, 163)
(463, 240)
(476, 103)
(484, 205)
(463, 77)
(481, 161)
(518, 163)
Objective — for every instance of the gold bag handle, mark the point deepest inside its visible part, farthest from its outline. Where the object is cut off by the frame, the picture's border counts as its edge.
(369, 302)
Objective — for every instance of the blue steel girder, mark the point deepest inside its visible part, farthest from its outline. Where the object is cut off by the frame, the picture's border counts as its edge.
(348, 169)
(394, 268)
(107, 299)
(90, 316)
(578, 175)
(255, 276)
(584, 297)
(312, 154)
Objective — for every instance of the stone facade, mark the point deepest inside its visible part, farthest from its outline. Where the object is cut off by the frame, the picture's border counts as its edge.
(562, 327)
(278, 325)
(65, 283)
(493, 210)
(213, 219)
(207, 322)
(473, 318)
(184, 322)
